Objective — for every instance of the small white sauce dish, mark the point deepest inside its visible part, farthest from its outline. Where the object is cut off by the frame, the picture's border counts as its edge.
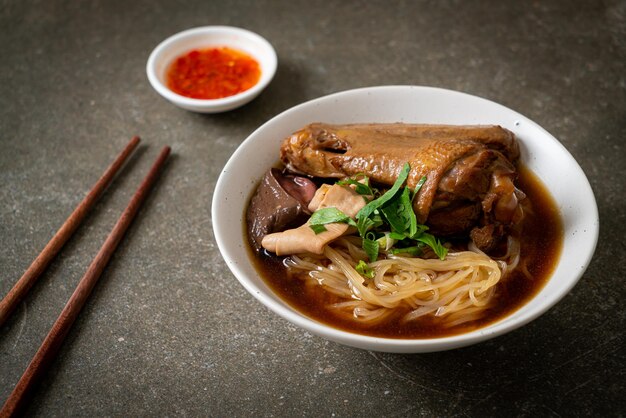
(206, 37)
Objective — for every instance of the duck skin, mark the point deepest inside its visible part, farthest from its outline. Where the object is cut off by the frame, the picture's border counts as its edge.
(470, 170)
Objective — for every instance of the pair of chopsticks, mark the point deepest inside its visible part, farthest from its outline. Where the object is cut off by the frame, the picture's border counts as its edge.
(52, 343)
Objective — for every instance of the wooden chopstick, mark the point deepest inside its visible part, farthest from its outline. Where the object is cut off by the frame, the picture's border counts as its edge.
(30, 276)
(61, 327)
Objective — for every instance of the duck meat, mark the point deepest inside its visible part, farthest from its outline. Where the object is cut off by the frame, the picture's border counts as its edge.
(470, 170)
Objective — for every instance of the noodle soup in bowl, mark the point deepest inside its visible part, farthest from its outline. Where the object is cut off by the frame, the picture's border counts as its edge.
(540, 153)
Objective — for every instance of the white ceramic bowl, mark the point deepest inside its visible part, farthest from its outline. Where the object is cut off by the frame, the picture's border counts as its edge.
(541, 152)
(207, 37)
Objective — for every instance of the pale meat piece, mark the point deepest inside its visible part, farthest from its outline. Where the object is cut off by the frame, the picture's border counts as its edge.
(469, 170)
(303, 239)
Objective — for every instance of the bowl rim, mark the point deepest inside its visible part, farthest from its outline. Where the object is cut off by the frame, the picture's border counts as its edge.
(416, 345)
(267, 74)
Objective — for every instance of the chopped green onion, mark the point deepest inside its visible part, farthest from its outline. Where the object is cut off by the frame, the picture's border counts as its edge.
(364, 225)
(364, 270)
(370, 246)
(414, 251)
(385, 242)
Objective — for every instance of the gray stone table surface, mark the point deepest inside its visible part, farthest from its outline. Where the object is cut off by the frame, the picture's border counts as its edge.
(168, 330)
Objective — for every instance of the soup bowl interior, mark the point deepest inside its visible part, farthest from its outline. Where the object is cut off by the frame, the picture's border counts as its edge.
(541, 152)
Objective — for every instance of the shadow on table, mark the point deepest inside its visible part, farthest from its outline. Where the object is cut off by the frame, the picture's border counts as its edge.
(539, 369)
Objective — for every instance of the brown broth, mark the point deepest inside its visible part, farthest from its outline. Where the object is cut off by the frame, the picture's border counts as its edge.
(541, 242)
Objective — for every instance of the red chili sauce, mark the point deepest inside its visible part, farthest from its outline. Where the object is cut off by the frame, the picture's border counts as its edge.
(213, 73)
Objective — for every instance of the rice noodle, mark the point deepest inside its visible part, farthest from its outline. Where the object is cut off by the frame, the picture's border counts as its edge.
(456, 290)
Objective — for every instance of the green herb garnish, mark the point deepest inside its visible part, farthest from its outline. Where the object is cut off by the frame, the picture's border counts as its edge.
(388, 217)
(433, 243)
(395, 209)
(418, 187)
(362, 188)
(328, 216)
(370, 246)
(399, 213)
(368, 209)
